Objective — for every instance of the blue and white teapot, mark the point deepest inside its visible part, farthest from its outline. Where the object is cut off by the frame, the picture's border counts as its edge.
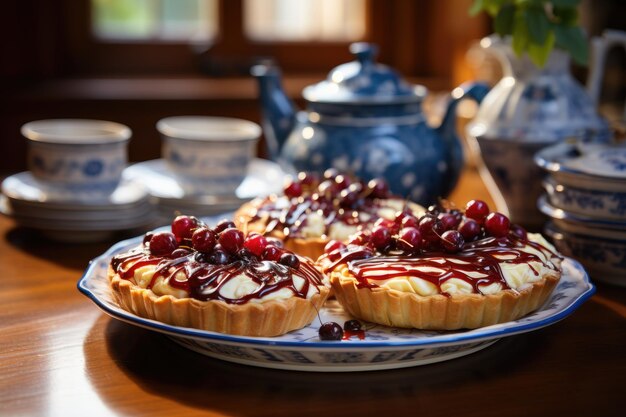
(364, 119)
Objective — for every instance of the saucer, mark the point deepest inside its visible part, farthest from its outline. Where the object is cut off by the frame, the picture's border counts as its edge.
(25, 189)
(263, 178)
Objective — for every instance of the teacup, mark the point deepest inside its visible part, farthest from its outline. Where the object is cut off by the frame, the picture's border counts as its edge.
(77, 159)
(208, 155)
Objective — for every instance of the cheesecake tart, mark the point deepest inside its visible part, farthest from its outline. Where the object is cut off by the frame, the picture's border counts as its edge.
(446, 270)
(218, 279)
(313, 211)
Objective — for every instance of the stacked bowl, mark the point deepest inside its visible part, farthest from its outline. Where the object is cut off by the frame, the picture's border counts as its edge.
(585, 198)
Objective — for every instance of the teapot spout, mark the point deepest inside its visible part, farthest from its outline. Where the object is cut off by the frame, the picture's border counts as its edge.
(278, 111)
(448, 133)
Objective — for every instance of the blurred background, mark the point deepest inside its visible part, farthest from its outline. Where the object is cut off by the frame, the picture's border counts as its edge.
(136, 61)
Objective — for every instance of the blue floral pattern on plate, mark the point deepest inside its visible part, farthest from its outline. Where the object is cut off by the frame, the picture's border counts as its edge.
(383, 347)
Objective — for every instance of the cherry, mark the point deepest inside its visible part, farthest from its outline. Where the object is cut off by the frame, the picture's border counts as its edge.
(247, 256)
(290, 260)
(272, 253)
(330, 331)
(293, 189)
(359, 238)
(348, 198)
(449, 221)
(352, 326)
(342, 181)
(275, 241)
(334, 245)
(179, 253)
(477, 210)
(255, 243)
(183, 227)
(431, 228)
(203, 239)
(378, 188)
(231, 240)
(409, 240)
(308, 178)
(163, 243)
(434, 209)
(381, 237)
(327, 188)
(497, 224)
(452, 241)
(223, 225)
(519, 232)
(469, 229)
(147, 237)
(408, 220)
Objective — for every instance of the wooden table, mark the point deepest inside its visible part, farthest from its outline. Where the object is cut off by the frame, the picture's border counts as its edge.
(61, 356)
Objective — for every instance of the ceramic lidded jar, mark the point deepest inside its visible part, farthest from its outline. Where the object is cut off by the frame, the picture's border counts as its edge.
(366, 120)
(529, 109)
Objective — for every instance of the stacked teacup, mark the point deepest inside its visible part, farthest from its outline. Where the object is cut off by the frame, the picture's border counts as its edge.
(585, 198)
(73, 190)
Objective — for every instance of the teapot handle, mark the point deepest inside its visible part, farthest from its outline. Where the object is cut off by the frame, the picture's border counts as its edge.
(600, 46)
(447, 130)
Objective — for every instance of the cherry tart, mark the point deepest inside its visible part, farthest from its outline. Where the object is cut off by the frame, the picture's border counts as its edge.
(313, 210)
(448, 269)
(218, 279)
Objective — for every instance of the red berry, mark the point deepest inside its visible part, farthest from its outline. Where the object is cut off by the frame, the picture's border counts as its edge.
(272, 253)
(327, 189)
(378, 188)
(334, 245)
(360, 238)
(381, 237)
(163, 244)
(408, 220)
(352, 325)
(218, 257)
(255, 243)
(231, 240)
(183, 227)
(223, 225)
(519, 232)
(293, 189)
(477, 210)
(348, 198)
(308, 178)
(275, 241)
(290, 260)
(497, 224)
(431, 228)
(342, 181)
(469, 229)
(449, 221)
(452, 241)
(147, 237)
(203, 239)
(331, 173)
(330, 331)
(179, 253)
(409, 240)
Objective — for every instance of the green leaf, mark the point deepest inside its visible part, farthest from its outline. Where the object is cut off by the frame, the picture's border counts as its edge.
(476, 7)
(503, 23)
(520, 32)
(565, 3)
(539, 52)
(493, 6)
(574, 41)
(538, 25)
(567, 16)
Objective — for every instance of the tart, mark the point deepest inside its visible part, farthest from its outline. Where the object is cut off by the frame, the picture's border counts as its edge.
(218, 280)
(444, 271)
(312, 211)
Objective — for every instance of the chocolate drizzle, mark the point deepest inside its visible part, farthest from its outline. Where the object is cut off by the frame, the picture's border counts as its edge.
(478, 264)
(203, 280)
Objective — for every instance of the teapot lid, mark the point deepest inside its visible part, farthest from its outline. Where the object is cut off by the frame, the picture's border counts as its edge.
(363, 81)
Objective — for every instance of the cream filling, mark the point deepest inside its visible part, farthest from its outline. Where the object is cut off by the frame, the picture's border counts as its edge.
(517, 276)
(235, 288)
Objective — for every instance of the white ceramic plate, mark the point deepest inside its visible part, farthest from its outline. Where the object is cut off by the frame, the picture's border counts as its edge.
(382, 348)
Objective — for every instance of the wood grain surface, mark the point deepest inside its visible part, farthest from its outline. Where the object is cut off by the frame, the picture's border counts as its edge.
(61, 356)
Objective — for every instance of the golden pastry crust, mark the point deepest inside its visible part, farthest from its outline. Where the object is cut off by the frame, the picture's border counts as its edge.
(438, 312)
(261, 319)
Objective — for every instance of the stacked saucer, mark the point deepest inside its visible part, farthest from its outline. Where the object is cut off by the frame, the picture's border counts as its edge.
(585, 197)
(263, 178)
(63, 217)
